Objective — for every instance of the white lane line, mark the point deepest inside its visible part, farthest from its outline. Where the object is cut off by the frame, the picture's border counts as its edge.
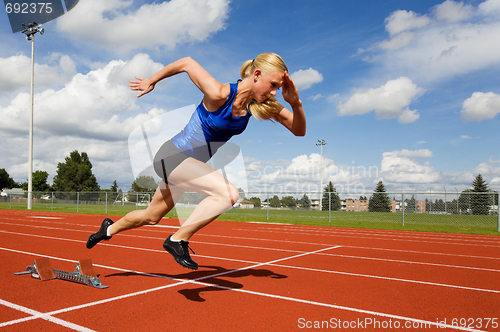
(198, 281)
(414, 239)
(36, 314)
(333, 255)
(429, 283)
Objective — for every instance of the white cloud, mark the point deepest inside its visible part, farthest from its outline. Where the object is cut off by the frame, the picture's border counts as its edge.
(93, 112)
(422, 153)
(408, 117)
(110, 25)
(316, 97)
(90, 105)
(402, 20)
(481, 106)
(493, 161)
(15, 72)
(304, 79)
(401, 40)
(399, 169)
(397, 166)
(454, 40)
(332, 97)
(451, 11)
(490, 8)
(388, 101)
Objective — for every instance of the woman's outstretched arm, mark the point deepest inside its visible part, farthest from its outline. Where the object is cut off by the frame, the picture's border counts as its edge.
(213, 90)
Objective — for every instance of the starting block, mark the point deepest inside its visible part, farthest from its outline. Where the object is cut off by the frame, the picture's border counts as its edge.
(84, 272)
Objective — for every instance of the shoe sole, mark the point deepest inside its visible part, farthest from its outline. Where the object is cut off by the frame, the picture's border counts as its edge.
(179, 259)
(93, 236)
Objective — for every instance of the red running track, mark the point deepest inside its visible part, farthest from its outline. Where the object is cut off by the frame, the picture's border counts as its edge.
(252, 277)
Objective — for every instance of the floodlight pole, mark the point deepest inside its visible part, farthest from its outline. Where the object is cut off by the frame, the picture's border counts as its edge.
(321, 143)
(30, 29)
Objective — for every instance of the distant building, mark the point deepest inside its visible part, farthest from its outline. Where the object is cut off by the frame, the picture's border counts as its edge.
(246, 204)
(314, 204)
(397, 206)
(354, 205)
(13, 193)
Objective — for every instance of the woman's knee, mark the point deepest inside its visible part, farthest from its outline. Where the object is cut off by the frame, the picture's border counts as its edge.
(150, 219)
(230, 195)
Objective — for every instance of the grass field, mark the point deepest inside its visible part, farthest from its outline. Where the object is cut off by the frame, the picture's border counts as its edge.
(447, 223)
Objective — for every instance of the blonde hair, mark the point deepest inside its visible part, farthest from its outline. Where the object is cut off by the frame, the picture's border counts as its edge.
(267, 63)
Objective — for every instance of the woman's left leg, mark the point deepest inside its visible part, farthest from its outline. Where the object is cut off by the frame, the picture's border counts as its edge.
(193, 175)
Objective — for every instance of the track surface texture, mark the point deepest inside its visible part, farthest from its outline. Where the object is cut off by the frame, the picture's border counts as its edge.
(252, 277)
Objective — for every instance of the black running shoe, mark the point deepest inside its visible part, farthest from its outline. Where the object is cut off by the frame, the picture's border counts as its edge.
(100, 235)
(180, 251)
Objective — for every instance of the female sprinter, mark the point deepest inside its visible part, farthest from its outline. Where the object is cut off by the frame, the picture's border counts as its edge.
(181, 162)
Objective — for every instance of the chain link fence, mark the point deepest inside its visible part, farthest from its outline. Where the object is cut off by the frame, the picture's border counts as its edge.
(464, 209)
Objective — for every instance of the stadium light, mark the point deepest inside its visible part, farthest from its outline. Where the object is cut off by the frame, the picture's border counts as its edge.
(30, 29)
(321, 143)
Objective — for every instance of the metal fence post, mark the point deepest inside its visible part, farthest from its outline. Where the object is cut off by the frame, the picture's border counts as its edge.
(329, 207)
(77, 201)
(498, 212)
(403, 203)
(106, 204)
(10, 201)
(52, 202)
(268, 206)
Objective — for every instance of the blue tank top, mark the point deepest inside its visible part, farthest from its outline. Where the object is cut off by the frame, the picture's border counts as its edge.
(207, 131)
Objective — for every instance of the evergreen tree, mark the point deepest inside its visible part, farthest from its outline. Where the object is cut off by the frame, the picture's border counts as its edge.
(75, 174)
(379, 202)
(114, 187)
(305, 202)
(331, 199)
(480, 202)
(411, 205)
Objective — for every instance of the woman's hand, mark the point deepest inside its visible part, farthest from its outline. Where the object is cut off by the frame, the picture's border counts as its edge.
(290, 92)
(145, 85)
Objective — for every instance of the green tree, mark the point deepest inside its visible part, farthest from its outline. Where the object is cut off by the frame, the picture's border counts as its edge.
(38, 183)
(331, 199)
(6, 181)
(75, 174)
(143, 184)
(288, 201)
(275, 202)
(114, 187)
(480, 201)
(256, 201)
(465, 201)
(305, 202)
(379, 202)
(411, 205)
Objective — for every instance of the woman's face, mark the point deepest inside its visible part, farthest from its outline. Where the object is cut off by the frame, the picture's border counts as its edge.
(266, 85)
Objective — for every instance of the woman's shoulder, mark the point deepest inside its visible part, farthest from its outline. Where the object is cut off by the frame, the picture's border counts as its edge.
(227, 93)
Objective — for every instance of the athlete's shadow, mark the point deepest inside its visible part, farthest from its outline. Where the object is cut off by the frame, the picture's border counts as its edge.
(211, 275)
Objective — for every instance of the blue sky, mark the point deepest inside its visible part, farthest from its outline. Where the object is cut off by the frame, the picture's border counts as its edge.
(407, 92)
